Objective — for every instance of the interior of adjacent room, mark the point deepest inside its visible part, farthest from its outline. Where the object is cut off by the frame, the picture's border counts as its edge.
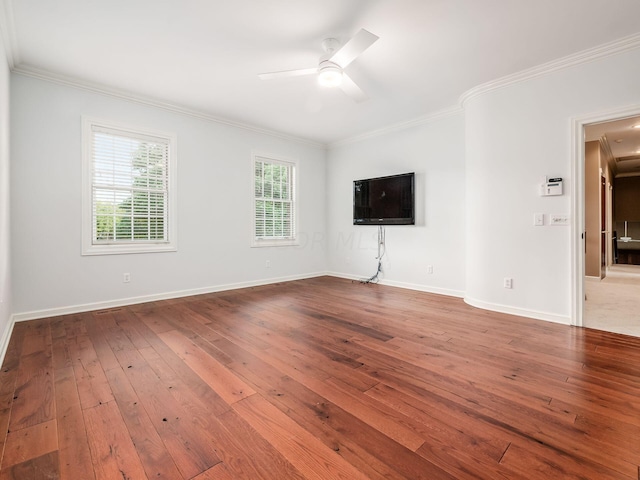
(612, 225)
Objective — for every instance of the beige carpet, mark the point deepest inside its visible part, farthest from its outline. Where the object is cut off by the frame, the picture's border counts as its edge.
(613, 304)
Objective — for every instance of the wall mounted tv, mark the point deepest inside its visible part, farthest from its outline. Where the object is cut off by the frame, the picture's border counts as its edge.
(384, 200)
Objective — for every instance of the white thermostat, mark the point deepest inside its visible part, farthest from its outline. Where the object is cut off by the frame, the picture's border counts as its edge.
(553, 186)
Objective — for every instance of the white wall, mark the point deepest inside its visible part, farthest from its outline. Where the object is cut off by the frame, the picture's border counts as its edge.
(514, 136)
(214, 205)
(5, 256)
(435, 152)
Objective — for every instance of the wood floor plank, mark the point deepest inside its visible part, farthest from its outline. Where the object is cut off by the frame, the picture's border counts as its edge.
(127, 322)
(93, 388)
(314, 459)
(154, 456)
(513, 417)
(250, 455)
(443, 428)
(506, 380)
(33, 397)
(73, 446)
(219, 378)
(8, 376)
(196, 328)
(112, 450)
(188, 445)
(96, 331)
(185, 385)
(318, 413)
(308, 409)
(538, 461)
(390, 422)
(172, 371)
(30, 442)
(44, 467)
(217, 472)
(230, 441)
(60, 350)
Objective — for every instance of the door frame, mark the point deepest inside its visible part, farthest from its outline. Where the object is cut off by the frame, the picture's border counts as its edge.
(577, 201)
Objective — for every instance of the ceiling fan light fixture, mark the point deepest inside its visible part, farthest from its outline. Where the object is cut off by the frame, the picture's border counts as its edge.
(331, 65)
(330, 76)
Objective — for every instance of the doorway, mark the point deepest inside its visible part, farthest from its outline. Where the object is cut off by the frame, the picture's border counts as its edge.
(607, 284)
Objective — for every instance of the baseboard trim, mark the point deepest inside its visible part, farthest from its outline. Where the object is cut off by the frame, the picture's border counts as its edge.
(6, 336)
(409, 286)
(87, 307)
(520, 312)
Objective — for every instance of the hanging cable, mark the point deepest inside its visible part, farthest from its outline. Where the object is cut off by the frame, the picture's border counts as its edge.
(382, 249)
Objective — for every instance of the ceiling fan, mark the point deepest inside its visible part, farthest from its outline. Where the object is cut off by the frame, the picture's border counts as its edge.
(330, 69)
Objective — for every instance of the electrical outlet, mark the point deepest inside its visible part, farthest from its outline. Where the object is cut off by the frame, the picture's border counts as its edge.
(126, 277)
(508, 282)
(429, 269)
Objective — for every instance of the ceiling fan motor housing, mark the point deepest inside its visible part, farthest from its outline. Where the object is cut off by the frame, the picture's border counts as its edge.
(330, 45)
(329, 74)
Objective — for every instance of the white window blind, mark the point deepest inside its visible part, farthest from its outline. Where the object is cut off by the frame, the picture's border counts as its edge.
(130, 189)
(274, 202)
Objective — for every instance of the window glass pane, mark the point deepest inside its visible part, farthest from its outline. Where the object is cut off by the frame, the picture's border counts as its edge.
(258, 179)
(104, 227)
(122, 228)
(129, 177)
(273, 202)
(267, 182)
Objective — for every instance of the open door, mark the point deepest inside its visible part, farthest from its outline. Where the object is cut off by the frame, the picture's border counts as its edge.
(620, 126)
(603, 227)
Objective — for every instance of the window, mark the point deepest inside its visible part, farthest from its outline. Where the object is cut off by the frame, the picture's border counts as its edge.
(274, 202)
(129, 196)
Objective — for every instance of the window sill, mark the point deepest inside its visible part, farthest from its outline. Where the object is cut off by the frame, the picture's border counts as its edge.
(119, 249)
(274, 243)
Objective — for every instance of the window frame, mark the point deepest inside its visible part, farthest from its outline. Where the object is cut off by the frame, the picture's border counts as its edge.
(295, 170)
(89, 246)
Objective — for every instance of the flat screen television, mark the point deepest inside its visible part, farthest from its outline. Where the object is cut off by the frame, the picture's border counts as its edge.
(384, 200)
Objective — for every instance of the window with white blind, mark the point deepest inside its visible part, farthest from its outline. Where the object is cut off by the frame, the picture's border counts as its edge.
(129, 196)
(274, 202)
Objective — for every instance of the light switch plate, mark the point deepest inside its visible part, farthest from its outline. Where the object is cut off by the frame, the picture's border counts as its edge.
(558, 219)
(538, 219)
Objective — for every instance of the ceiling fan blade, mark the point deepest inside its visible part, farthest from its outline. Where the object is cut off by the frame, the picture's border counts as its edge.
(288, 73)
(354, 47)
(349, 87)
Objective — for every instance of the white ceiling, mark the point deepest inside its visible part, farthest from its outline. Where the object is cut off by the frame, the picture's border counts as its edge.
(205, 55)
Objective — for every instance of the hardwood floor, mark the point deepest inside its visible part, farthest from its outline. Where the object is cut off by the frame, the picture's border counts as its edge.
(317, 379)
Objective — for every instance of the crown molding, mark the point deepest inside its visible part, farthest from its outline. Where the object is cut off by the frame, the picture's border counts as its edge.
(396, 127)
(94, 87)
(626, 175)
(602, 51)
(8, 33)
